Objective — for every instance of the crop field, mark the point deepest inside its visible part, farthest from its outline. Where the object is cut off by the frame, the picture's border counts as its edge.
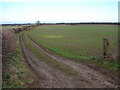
(76, 41)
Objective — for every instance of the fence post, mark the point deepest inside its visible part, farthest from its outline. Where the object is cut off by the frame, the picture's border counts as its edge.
(105, 48)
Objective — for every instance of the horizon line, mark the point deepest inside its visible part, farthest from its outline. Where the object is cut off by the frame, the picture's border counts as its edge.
(62, 23)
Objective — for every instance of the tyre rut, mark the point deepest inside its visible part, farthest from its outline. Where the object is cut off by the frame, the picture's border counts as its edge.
(50, 77)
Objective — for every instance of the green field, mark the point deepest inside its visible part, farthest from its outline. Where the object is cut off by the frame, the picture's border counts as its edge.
(76, 41)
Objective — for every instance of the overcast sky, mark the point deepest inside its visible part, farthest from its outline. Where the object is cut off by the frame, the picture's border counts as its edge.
(29, 11)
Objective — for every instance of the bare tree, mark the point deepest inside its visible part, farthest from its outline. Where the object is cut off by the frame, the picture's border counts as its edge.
(38, 23)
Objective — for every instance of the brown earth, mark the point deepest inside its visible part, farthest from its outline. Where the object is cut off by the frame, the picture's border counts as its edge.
(49, 77)
(8, 46)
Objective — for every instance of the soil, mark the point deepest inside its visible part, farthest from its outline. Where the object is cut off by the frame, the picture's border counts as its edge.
(8, 46)
(49, 77)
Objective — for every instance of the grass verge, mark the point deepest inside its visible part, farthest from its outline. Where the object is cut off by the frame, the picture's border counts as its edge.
(19, 73)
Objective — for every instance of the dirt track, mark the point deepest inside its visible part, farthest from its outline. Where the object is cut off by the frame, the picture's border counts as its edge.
(53, 78)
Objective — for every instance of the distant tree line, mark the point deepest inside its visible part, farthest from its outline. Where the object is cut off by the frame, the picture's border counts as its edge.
(38, 23)
(81, 23)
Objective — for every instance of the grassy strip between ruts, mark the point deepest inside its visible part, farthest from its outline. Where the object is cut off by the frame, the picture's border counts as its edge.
(53, 63)
(19, 72)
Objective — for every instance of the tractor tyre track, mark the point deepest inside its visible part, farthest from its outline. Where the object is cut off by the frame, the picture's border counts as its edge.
(49, 77)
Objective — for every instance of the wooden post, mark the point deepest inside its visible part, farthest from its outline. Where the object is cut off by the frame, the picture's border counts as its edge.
(105, 48)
